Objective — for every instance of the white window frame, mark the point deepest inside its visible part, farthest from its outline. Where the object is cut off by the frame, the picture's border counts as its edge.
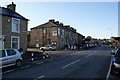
(55, 34)
(18, 25)
(63, 32)
(18, 41)
(58, 31)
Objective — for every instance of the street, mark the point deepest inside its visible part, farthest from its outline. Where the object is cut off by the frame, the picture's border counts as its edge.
(92, 63)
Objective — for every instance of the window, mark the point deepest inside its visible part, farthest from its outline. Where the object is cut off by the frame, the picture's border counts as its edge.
(15, 25)
(2, 53)
(54, 33)
(15, 42)
(62, 32)
(54, 43)
(37, 41)
(11, 52)
(44, 31)
(58, 31)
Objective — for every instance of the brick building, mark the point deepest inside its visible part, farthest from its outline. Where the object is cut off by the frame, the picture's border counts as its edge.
(54, 33)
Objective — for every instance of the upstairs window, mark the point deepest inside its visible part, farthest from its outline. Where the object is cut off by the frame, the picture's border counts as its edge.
(15, 25)
(58, 31)
(54, 33)
(63, 32)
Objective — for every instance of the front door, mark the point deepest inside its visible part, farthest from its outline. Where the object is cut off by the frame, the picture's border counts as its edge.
(37, 43)
(1, 42)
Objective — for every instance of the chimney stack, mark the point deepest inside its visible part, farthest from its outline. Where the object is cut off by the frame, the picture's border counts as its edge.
(57, 22)
(52, 20)
(12, 7)
(61, 24)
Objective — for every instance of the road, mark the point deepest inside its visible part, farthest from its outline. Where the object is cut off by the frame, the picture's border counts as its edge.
(91, 63)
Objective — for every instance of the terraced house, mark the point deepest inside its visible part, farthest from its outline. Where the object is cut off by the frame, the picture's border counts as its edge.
(56, 34)
(13, 32)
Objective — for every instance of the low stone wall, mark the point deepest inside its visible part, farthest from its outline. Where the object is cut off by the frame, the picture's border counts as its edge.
(28, 54)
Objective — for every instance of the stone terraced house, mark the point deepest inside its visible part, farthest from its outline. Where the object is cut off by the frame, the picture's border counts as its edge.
(13, 28)
(56, 34)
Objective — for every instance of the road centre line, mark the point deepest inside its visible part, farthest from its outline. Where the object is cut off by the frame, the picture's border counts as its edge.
(25, 66)
(40, 63)
(8, 71)
(51, 59)
(40, 77)
(70, 64)
(88, 55)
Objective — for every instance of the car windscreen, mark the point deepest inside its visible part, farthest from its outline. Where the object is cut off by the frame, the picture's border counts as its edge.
(118, 52)
(117, 56)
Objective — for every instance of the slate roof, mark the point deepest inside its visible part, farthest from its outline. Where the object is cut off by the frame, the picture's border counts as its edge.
(48, 24)
(8, 12)
(117, 38)
(51, 24)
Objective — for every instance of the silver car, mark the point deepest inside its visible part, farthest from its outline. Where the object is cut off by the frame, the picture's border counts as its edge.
(48, 48)
(10, 57)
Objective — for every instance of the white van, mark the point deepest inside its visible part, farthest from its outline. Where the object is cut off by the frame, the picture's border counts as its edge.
(10, 57)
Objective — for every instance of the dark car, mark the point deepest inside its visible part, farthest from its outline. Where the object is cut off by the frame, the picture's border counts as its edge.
(115, 69)
(85, 46)
(99, 44)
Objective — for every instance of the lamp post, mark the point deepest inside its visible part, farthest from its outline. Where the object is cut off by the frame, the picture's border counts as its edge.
(111, 36)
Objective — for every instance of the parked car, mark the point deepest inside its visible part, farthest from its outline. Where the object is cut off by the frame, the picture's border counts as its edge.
(10, 57)
(99, 44)
(95, 45)
(115, 69)
(90, 45)
(85, 46)
(48, 48)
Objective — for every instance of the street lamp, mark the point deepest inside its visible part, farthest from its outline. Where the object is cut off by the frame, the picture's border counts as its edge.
(110, 31)
(111, 36)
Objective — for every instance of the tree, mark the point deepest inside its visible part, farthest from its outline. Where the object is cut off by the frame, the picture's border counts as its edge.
(88, 37)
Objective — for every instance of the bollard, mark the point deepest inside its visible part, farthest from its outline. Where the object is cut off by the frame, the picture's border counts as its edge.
(32, 56)
(47, 54)
(43, 54)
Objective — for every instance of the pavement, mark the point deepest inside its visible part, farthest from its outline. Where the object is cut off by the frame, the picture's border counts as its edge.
(88, 64)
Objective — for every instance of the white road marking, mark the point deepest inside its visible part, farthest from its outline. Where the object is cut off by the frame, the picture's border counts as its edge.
(51, 60)
(25, 66)
(40, 63)
(8, 71)
(108, 74)
(95, 51)
(74, 53)
(39, 77)
(82, 51)
(35, 61)
(88, 55)
(70, 64)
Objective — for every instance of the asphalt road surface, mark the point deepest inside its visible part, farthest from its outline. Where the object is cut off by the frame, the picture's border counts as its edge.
(88, 64)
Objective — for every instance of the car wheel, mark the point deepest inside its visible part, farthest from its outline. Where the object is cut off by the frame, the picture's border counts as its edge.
(18, 63)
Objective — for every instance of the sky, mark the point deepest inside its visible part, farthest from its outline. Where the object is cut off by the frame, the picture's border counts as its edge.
(96, 19)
